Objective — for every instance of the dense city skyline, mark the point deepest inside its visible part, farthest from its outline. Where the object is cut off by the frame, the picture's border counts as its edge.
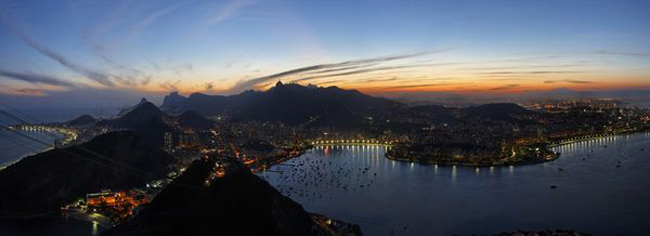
(105, 49)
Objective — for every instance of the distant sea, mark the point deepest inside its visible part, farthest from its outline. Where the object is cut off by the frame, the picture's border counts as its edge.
(14, 146)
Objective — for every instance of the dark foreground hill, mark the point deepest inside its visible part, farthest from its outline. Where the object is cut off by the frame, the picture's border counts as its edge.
(44, 182)
(240, 203)
(146, 119)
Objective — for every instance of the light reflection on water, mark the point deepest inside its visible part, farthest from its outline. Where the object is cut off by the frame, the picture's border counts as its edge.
(357, 184)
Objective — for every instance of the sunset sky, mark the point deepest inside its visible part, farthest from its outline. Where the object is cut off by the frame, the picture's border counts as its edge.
(99, 49)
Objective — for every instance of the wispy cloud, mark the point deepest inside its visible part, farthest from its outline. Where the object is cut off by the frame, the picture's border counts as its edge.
(569, 81)
(322, 70)
(604, 52)
(100, 43)
(36, 79)
(539, 72)
(380, 79)
(429, 85)
(221, 13)
(228, 11)
(145, 22)
(170, 85)
(96, 76)
(521, 67)
(505, 87)
(30, 92)
(362, 71)
(123, 74)
(208, 86)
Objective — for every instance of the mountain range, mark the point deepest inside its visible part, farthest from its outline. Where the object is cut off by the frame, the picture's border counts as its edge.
(289, 103)
(486, 112)
(313, 106)
(435, 97)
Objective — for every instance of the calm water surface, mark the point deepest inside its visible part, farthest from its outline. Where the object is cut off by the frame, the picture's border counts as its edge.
(53, 224)
(359, 185)
(14, 147)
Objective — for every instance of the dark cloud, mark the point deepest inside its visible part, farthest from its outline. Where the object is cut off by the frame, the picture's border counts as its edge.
(31, 92)
(539, 72)
(243, 85)
(380, 79)
(569, 81)
(370, 70)
(396, 78)
(500, 78)
(169, 85)
(418, 86)
(208, 86)
(90, 74)
(507, 86)
(343, 68)
(36, 79)
(522, 67)
(362, 71)
(603, 52)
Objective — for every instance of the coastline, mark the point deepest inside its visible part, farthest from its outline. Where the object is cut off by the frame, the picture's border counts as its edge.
(31, 151)
(467, 164)
(591, 137)
(557, 155)
(20, 158)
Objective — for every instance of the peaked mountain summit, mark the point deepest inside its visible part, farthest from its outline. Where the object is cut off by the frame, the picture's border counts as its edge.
(289, 103)
(146, 119)
(131, 108)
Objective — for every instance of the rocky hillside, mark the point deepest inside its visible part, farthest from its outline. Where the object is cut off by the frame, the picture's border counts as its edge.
(44, 182)
(239, 203)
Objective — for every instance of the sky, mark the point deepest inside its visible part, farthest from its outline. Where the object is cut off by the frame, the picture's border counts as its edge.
(74, 53)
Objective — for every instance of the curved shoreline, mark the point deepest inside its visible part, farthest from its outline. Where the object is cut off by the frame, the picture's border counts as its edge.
(466, 164)
(579, 140)
(30, 153)
(25, 156)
